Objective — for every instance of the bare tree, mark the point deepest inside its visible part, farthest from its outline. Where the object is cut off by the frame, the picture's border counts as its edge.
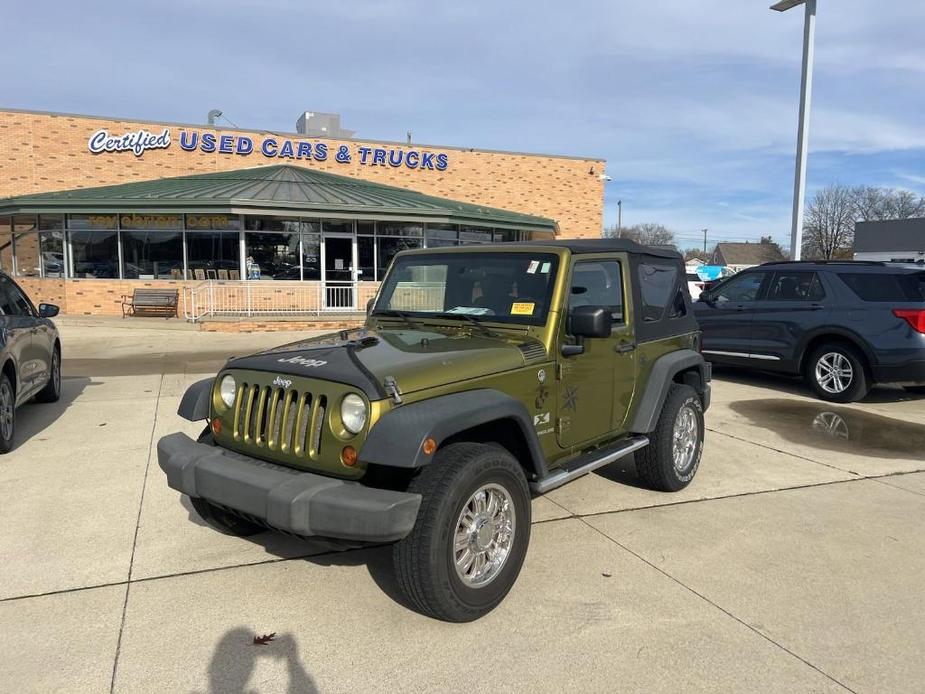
(828, 224)
(648, 234)
(878, 204)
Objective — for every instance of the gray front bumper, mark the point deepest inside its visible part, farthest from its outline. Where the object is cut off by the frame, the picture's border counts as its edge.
(298, 502)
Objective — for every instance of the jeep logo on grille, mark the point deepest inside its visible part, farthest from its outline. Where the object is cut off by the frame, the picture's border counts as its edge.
(302, 361)
(282, 382)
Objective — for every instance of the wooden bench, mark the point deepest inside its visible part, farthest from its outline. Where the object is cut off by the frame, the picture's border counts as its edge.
(151, 301)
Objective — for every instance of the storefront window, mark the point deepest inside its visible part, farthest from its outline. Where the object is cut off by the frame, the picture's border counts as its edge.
(388, 247)
(287, 224)
(502, 235)
(51, 246)
(366, 258)
(399, 229)
(26, 246)
(337, 226)
(216, 222)
(469, 235)
(440, 235)
(91, 221)
(94, 253)
(311, 257)
(152, 255)
(272, 256)
(213, 255)
(150, 222)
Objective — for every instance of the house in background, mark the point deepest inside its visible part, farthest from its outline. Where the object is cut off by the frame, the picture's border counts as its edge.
(901, 240)
(739, 256)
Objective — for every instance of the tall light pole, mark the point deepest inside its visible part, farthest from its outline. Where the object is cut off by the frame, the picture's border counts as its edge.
(619, 217)
(806, 89)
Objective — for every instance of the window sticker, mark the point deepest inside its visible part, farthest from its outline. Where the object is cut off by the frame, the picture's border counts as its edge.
(545, 268)
(522, 308)
(533, 267)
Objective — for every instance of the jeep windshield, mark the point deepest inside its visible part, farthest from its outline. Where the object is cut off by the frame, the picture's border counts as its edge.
(508, 287)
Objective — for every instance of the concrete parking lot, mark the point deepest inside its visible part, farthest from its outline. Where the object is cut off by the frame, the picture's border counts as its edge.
(794, 562)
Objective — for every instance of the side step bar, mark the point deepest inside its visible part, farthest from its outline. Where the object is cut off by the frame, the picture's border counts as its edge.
(587, 463)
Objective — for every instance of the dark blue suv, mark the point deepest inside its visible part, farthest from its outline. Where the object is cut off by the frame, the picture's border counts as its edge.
(842, 325)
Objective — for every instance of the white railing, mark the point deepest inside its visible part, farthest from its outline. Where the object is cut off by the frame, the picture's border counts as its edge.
(243, 298)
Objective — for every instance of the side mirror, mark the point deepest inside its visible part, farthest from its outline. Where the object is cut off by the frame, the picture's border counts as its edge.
(587, 321)
(48, 310)
(369, 305)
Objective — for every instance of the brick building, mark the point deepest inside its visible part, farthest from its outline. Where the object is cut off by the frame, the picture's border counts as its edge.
(91, 207)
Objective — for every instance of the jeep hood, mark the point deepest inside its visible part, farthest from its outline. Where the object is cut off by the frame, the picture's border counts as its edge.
(415, 358)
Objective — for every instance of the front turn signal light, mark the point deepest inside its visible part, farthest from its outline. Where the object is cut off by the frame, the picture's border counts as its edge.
(216, 426)
(348, 456)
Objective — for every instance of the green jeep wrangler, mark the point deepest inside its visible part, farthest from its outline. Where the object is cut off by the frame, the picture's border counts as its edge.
(483, 374)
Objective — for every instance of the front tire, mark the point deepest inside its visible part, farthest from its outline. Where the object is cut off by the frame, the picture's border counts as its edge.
(224, 521)
(470, 539)
(52, 390)
(7, 414)
(836, 373)
(670, 461)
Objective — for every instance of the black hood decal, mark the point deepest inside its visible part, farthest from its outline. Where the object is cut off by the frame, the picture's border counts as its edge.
(328, 361)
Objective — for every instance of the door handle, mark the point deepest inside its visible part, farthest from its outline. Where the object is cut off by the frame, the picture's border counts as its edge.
(624, 348)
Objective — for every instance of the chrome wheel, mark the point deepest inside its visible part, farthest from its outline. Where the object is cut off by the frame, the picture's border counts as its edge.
(834, 372)
(6, 411)
(484, 535)
(685, 438)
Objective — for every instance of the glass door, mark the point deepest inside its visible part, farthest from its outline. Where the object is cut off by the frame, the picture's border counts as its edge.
(339, 272)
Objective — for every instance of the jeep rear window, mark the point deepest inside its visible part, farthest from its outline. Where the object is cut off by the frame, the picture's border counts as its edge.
(495, 287)
(882, 286)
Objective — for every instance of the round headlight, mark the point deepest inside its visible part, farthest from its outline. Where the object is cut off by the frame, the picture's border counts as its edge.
(226, 390)
(353, 413)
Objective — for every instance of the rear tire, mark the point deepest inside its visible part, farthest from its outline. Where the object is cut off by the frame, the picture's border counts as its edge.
(837, 373)
(7, 414)
(670, 461)
(470, 539)
(52, 390)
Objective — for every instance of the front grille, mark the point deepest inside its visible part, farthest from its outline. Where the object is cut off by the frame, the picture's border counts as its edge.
(279, 419)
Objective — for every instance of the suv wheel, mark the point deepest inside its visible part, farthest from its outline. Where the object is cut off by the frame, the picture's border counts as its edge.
(836, 373)
(7, 414)
(671, 459)
(224, 521)
(52, 390)
(471, 535)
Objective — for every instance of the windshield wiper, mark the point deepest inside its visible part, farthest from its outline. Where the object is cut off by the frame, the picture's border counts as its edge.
(475, 321)
(390, 312)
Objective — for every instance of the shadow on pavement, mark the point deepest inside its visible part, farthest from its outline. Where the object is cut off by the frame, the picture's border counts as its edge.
(796, 386)
(236, 656)
(34, 417)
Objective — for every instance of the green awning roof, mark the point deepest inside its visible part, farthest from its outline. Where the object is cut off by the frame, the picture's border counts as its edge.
(284, 190)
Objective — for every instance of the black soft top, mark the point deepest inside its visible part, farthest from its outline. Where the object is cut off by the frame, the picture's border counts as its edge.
(583, 246)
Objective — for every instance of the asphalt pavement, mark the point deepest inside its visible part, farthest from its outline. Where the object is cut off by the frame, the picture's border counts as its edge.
(794, 561)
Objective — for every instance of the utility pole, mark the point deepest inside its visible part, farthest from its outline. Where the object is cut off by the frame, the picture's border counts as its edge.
(806, 89)
(619, 218)
(704, 243)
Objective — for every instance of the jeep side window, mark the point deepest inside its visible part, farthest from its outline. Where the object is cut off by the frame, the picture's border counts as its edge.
(742, 288)
(661, 291)
(598, 283)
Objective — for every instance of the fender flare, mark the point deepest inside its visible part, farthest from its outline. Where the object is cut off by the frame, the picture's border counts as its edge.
(397, 439)
(196, 403)
(660, 379)
(836, 333)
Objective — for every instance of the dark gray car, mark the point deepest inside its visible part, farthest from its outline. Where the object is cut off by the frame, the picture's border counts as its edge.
(842, 325)
(30, 356)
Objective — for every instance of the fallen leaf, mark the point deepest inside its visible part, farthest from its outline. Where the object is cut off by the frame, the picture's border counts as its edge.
(264, 640)
(606, 574)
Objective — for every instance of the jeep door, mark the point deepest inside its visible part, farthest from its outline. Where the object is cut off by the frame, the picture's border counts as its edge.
(595, 388)
(726, 315)
(794, 303)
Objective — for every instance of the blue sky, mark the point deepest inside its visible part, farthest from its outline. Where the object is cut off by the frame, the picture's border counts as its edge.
(692, 102)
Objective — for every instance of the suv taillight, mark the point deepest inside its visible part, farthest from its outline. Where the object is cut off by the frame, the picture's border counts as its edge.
(913, 316)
